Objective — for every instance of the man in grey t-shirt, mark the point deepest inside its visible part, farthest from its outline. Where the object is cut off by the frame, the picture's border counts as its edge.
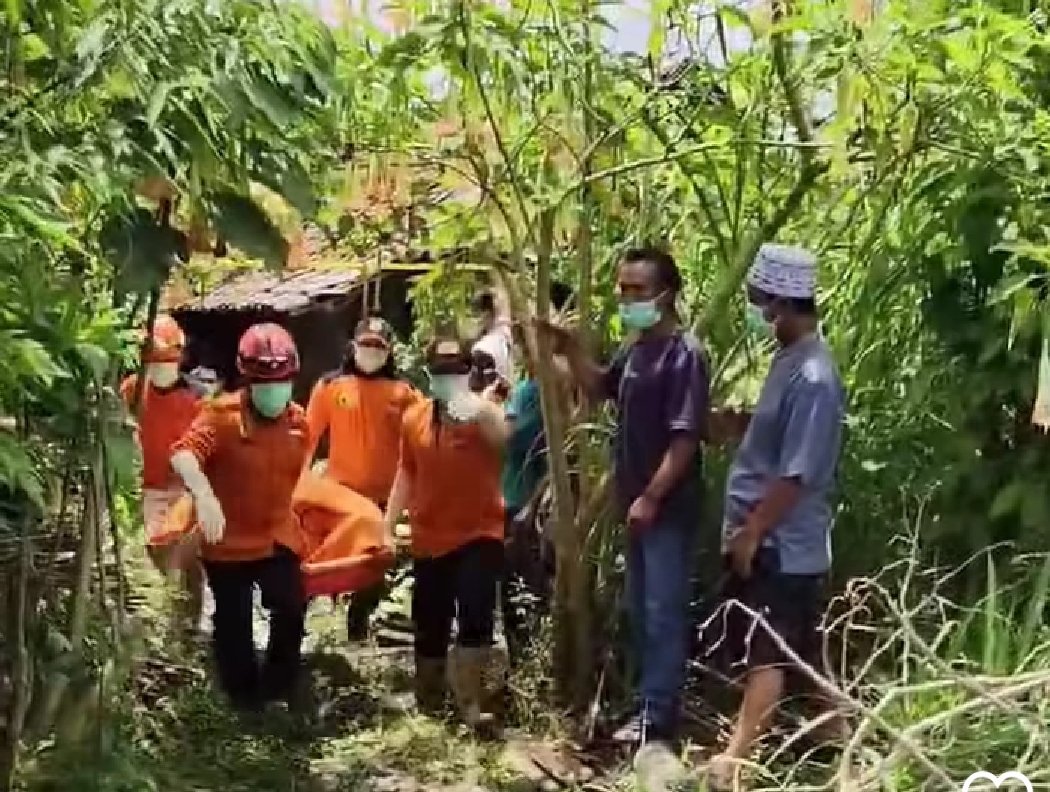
(777, 521)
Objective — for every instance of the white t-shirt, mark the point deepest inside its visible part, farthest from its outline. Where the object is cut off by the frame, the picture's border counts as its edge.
(499, 345)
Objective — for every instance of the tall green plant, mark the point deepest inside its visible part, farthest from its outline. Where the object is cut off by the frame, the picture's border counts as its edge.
(130, 134)
(864, 139)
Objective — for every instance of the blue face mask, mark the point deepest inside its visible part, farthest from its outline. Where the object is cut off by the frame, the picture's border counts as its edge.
(271, 398)
(639, 315)
(756, 322)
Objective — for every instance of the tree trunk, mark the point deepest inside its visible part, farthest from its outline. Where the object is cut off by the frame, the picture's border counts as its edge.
(79, 609)
(22, 671)
(572, 618)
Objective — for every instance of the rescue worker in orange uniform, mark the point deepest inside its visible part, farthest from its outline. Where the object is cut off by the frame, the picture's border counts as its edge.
(168, 407)
(448, 478)
(241, 461)
(360, 407)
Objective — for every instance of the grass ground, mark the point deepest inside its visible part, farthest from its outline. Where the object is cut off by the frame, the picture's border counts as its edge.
(357, 736)
(927, 724)
(359, 732)
(173, 732)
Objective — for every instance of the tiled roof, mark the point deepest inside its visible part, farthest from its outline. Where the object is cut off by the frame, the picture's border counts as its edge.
(266, 290)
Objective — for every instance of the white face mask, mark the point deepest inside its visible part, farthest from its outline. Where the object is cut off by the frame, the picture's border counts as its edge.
(370, 359)
(162, 375)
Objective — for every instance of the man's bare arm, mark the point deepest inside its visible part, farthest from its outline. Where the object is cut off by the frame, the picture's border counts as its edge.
(779, 499)
(677, 460)
(586, 372)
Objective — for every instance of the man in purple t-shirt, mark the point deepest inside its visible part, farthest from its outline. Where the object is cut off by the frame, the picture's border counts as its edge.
(659, 384)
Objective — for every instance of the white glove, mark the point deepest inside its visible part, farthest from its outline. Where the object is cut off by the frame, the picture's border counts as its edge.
(210, 518)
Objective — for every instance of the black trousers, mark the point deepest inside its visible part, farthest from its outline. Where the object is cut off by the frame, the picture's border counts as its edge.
(792, 606)
(232, 585)
(363, 604)
(460, 585)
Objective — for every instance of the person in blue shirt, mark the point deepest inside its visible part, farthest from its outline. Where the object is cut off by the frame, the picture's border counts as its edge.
(778, 504)
(524, 466)
(525, 461)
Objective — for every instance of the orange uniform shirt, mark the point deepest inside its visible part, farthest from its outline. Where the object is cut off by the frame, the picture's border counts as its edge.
(166, 415)
(455, 483)
(253, 467)
(363, 419)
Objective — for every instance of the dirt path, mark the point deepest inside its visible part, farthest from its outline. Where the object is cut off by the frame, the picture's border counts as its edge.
(359, 732)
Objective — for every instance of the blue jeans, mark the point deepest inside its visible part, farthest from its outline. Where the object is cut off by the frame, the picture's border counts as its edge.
(659, 562)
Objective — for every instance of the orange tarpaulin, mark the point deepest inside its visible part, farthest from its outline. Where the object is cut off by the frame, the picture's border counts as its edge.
(342, 534)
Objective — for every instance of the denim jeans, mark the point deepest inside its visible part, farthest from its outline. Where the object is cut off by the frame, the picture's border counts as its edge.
(659, 566)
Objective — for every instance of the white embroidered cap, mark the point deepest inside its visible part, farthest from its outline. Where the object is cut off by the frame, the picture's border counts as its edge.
(784, 271)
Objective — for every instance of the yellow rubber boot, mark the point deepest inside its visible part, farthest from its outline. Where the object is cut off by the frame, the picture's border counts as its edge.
(495, 691)
(468, 680)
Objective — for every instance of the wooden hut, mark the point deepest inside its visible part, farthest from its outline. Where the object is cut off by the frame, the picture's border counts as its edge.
(318, 307)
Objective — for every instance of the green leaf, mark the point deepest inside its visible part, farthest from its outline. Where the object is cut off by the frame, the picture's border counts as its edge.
(245, 226)
(190, 124)
(297, 188)
(735, 17)
(1024, 309)
(230, 94)
(292, 183)
(141, 251)
(406, 48)
(319, 62)
(270, 101)
(1008, 500)
(95, 358)
(17, 471)
(35, 361)
(1010, 286)
(1018, 250)
(1035, 610)
(34, 48)
(156, 102)
(657, 29)
(51, 230)
(93, 39)
(123, 457)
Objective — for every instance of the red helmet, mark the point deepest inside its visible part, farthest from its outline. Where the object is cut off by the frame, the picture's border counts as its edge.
(167, 343)
(267, 352)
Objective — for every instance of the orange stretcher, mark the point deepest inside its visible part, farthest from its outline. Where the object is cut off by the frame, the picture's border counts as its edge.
(342, 535)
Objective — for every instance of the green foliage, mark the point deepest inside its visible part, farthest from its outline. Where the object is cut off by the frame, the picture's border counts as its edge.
(909, 152)
(906, 151)
(240, 221)
(128, 131)
(121, 119)
(141, 251)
